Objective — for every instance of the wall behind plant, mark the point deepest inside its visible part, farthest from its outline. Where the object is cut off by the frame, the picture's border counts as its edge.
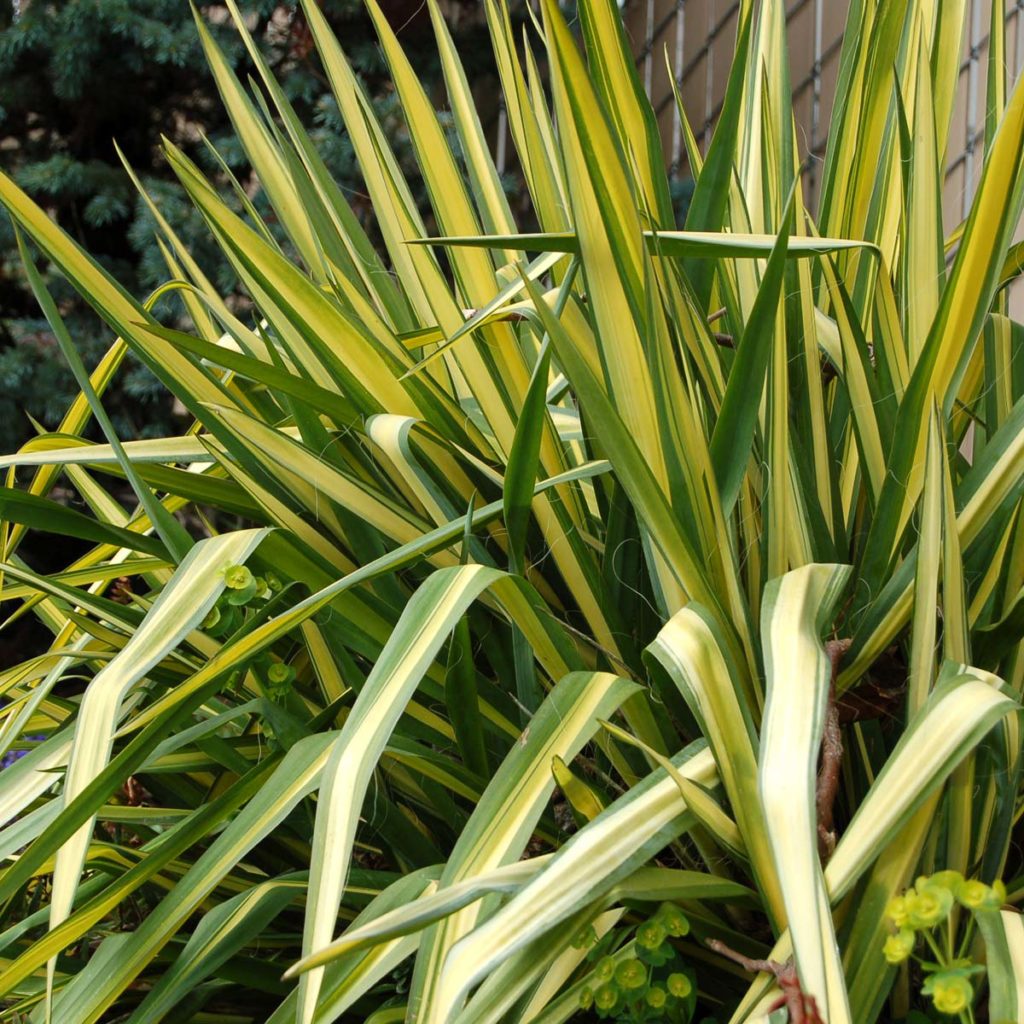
(699, 35)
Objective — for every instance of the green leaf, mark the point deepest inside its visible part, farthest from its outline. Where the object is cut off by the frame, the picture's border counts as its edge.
(797, 609)
(220, 934)
(734, 428)
(596, 858)
(179, 609)
(171, 532)
(51, 517)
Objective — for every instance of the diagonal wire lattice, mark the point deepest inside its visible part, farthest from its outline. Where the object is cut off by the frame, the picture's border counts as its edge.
(698, 36)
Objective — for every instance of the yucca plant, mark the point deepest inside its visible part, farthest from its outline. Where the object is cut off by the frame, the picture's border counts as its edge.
(655, 586)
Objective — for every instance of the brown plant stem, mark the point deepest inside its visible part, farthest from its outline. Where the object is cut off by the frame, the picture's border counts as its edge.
(831, 757)
(802, 1008)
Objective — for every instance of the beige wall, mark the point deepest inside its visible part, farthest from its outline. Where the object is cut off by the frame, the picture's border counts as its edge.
(699, 36)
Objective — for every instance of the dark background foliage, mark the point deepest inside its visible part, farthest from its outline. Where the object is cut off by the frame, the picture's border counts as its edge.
(75, 75)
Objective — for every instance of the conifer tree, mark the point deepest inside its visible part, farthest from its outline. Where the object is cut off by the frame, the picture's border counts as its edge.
(75, 75)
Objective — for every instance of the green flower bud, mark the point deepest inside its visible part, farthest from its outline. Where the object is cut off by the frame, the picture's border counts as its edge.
(279, 680)
(928, 906)
(213, 617)
(951, 993)
(273, 583)
(240, 585)
(656, 997)
(606, 997)
(975, 895)
(673, 920)
(972, 894)
(896, 911)
(280, 674)
(238, 577)
(630, 974)
(679, 985)
(605, 969)
(586, 998)
(650, 935)
(585, 938)
(898, 947)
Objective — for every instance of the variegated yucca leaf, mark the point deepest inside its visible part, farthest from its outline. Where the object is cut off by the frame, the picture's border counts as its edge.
(796, 609)
(549, 506)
